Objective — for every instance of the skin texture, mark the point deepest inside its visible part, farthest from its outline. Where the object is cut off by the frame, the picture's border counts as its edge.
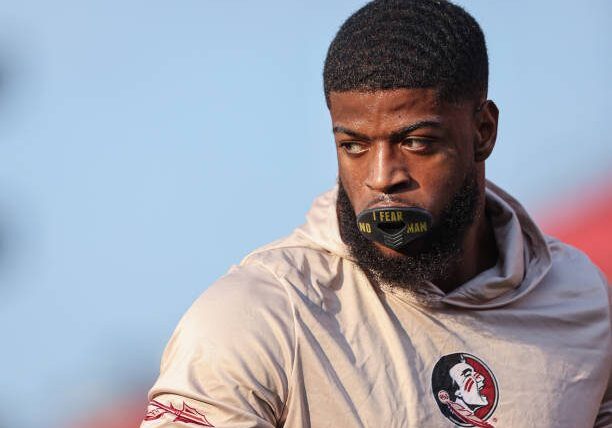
(404, 147)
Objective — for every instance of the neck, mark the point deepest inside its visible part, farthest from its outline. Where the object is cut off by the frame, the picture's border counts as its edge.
(479, 252)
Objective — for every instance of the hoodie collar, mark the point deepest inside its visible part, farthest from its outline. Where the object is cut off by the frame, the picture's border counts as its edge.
(523, 259)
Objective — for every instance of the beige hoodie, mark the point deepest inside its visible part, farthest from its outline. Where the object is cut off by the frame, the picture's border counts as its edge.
(297, 336)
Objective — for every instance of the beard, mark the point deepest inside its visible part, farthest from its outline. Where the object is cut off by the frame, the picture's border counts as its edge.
(425, 259)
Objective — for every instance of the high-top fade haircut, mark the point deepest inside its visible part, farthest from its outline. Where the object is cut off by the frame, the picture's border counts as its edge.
(393, 44)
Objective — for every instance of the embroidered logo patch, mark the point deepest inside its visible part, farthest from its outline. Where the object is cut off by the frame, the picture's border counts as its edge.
(185, 414)
(465, 389)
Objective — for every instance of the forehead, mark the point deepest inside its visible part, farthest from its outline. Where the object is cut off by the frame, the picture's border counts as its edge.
(387, 109)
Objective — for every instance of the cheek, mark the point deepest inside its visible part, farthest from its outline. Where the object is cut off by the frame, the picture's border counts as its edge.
(352, 180)
(346, 176)
(438, 181)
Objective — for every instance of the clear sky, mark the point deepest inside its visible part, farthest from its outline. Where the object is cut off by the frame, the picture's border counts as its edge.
(145, 146)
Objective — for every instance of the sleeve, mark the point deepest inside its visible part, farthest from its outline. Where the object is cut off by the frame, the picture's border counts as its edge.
(604, 416)
(229, 359)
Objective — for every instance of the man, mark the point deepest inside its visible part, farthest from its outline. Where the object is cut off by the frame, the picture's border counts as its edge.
(414, 270)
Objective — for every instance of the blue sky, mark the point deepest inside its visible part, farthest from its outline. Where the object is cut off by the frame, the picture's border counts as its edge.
(135, 135)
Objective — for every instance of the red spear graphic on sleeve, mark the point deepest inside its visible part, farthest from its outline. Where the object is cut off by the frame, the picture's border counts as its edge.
(185, 414)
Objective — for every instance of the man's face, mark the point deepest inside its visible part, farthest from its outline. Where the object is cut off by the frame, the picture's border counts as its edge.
(401, 147)
(469, 383)
(405, 148)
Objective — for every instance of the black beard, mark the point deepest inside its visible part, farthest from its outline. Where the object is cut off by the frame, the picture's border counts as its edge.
(437, 252)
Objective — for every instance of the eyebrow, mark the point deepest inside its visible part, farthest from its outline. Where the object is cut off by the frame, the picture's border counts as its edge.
(350, 132)
(398, 135)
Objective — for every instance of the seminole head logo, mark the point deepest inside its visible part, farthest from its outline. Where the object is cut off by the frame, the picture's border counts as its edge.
(465, 390)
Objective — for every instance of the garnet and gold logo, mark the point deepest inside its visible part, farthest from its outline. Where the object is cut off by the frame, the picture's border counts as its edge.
(465, 389)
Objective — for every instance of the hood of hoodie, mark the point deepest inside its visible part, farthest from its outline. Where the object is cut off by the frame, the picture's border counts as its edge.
(524, 257)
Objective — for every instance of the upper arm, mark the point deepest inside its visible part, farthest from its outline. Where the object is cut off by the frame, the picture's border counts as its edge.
(230, 357)
(604, 417)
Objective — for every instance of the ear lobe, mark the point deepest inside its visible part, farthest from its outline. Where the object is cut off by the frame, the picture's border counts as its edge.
(486, 130)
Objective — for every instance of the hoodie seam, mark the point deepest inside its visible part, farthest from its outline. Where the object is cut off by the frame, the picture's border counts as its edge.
(290, 386)
(248, 257)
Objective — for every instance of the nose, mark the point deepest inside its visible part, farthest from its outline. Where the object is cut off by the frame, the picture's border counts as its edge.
(388, 172)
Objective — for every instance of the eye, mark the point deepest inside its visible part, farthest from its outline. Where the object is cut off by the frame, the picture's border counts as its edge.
(353, 148)
(416, 144)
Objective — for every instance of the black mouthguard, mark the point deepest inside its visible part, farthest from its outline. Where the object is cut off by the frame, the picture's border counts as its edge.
(394, 227)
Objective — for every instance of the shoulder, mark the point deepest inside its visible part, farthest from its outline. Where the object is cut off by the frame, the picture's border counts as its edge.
(574, 282)
(574, 266)
(311, 276)
(283, 261)
(241, 299)
(262, 292)
(233, 350)
(244, 319)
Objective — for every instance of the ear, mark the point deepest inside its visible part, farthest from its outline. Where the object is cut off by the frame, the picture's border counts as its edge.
(486, 130)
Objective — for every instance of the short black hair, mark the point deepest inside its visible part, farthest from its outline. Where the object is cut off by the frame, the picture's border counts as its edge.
(392, 44)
